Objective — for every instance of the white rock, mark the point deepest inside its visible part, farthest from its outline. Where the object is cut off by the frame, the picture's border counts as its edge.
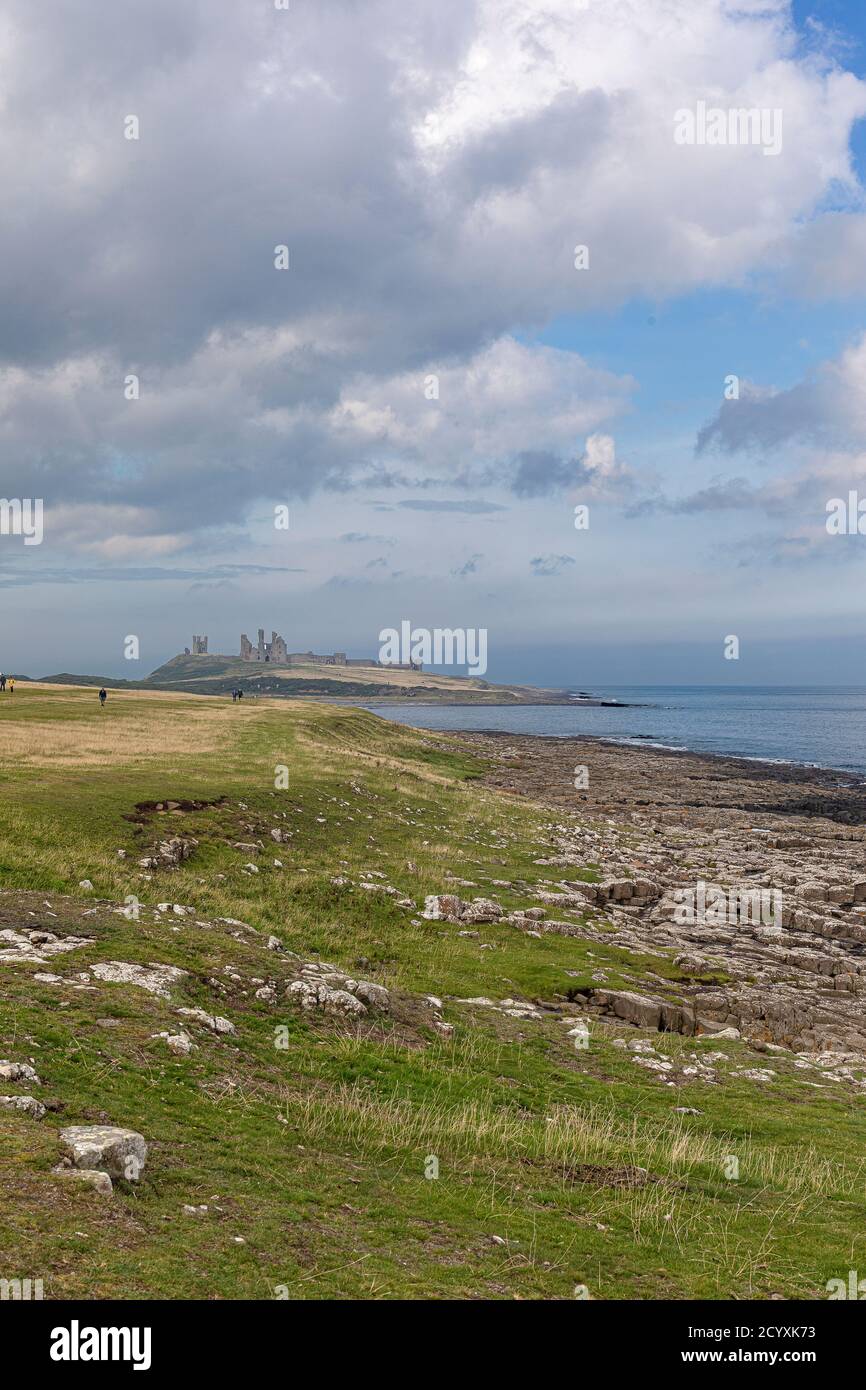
(28, 1105)
(122, 1153)
(18, 1071)
(321, 996)
(178, 1042)
(91, 1177)
(215, 1022)
(154, 978)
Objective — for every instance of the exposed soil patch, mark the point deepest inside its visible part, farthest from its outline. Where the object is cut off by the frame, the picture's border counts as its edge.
(146, 810)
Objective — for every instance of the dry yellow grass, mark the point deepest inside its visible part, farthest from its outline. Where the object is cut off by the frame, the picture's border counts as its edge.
(133, 729)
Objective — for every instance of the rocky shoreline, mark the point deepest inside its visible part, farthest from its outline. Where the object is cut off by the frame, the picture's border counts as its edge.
(773, 947)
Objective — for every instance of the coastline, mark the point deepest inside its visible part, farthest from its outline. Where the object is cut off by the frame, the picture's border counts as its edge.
(780, 959)
(631, 775)
(788, 769)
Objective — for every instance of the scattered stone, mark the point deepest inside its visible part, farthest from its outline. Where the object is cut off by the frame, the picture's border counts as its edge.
(178, 1042)
(18, 1071)
(214, 1022)
(154, 978)
(312, 995)
(36, 947)
(28, 1105)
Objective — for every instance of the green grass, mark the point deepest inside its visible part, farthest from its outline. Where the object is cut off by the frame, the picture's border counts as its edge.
(315, 1153)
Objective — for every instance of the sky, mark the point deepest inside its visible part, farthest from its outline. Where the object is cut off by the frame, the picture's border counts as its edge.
(432, 276)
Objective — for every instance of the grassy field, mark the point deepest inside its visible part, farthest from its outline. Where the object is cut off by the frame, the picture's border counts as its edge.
(561, 1172)
(212, 674)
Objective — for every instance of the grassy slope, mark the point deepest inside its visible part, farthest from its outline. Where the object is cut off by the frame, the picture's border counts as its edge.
(315, 1153)
(219, 674)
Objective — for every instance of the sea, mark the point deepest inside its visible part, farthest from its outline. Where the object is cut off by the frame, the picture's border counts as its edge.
(815, 726)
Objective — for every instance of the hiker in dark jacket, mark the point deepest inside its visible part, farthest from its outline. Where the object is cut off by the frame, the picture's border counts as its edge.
(103, 696)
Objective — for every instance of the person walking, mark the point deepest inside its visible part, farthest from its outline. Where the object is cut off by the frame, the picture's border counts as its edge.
(2, 681)
(11, 685)
(103, 696)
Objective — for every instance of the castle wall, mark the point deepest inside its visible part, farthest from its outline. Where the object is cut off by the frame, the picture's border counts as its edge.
(276, 653)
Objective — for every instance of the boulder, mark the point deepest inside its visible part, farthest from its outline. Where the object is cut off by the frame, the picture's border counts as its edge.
(634, 1008)
(28, 1105)
(317, 995)
(18, 1071)
(442, 907)
(122, 1153)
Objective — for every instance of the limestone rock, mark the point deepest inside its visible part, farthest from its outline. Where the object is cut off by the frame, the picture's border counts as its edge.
(317, 995)
(178, 1042)
(89, 1177)
(18, 1071)
(153, 977)
(28, 1105)
(215, 1022)
(122, 1153)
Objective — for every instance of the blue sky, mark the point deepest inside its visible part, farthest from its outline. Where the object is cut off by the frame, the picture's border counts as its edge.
(431, 170)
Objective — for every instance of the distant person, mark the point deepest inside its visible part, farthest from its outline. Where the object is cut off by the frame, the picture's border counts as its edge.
(103, 696)
(2, 681)
(234, 696)
(240, 694)
(11, 685)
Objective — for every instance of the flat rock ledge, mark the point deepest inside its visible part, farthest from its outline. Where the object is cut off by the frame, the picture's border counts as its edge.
(89, 1177)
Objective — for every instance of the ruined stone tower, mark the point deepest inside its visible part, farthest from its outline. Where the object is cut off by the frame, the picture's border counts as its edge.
(199, 646)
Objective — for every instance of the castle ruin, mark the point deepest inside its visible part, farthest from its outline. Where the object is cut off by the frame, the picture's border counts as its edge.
(275, 653)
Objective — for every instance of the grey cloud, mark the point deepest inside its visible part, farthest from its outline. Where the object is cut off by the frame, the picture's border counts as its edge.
(360, 537)
(470, 566)
(546, 566)
(538, 474)
(765, 420)
(142, 574)
(470, 508)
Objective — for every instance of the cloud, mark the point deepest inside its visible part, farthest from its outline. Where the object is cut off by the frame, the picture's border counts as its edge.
(546, 566)
(468, 567)
(470, 507)
(132, 574)
(829, 407)
(362, 537)
(443, 144)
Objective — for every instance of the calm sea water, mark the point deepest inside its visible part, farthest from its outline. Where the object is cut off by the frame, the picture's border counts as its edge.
(822, 726)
